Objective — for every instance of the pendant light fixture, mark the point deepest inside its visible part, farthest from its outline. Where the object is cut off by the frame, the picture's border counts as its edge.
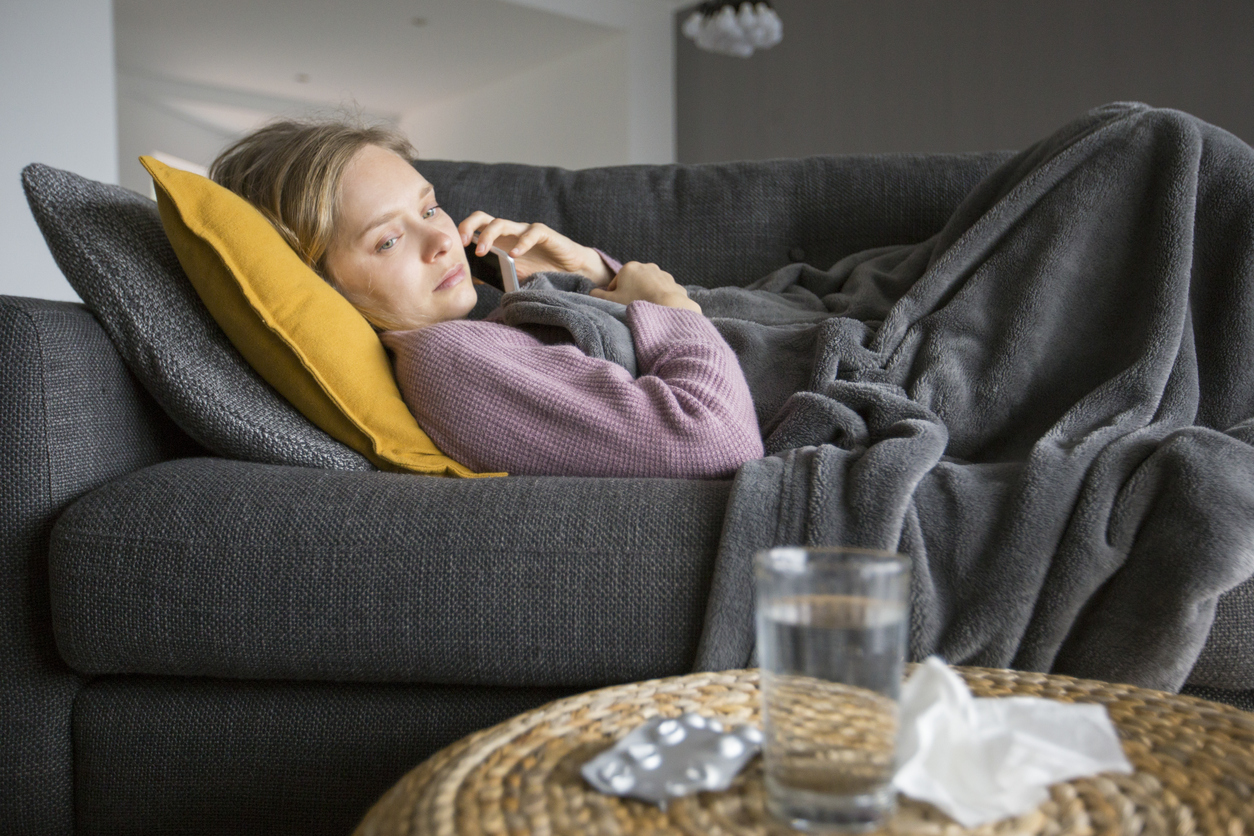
(731, 29)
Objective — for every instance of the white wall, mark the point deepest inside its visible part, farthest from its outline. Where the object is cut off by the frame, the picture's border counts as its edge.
(144, 126)
(195, 122)
(650, 94)
(651, 83)
(57, 106)
(571, 113)
(960, 75)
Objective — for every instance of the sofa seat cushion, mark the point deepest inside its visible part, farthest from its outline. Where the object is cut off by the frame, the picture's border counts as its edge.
(212, 567)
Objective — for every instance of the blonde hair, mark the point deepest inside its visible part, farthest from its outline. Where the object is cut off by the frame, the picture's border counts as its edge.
(291, 170)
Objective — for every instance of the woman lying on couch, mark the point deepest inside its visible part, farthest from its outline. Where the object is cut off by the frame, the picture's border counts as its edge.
(492, 396)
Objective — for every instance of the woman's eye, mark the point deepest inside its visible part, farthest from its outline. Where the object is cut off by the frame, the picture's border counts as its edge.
(430, 213)
(388, 244)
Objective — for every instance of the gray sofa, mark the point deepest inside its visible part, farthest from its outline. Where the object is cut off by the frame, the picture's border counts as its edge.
(196, 643)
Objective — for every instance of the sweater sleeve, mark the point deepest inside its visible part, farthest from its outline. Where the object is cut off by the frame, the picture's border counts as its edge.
(612, 264)
(497, 398)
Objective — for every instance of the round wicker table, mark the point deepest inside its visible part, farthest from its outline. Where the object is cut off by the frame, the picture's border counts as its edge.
(1194, 765)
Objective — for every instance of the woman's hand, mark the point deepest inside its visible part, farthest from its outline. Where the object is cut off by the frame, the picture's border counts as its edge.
(534, 247)
(638, 282)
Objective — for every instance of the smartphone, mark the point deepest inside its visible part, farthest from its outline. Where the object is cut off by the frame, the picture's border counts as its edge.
(509, 274)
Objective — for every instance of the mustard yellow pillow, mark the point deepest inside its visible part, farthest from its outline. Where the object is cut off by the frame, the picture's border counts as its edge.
(297, 331)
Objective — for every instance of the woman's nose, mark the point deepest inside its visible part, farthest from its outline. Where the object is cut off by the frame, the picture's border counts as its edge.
(436, 244)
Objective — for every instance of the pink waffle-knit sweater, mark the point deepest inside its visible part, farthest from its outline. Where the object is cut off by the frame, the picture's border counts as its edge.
(496, 398)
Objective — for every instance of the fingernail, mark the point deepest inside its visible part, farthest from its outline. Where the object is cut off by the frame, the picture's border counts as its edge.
(514, 251)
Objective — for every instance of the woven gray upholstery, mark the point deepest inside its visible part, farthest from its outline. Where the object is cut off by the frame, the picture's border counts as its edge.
(71, 419)
(725, 223)
(1243, 700)
(1227, 660)
(110, 244)
(208, 567)
(202, 756)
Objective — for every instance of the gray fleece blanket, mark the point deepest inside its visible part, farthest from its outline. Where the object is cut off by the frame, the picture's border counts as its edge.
(1049, 405)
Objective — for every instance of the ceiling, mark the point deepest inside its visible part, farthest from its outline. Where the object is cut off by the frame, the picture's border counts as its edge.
(387, 57)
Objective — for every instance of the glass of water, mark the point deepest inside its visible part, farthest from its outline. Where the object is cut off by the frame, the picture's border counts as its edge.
(832, 627)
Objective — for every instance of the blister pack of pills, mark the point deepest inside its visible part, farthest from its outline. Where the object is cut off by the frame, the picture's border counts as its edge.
(666, 758)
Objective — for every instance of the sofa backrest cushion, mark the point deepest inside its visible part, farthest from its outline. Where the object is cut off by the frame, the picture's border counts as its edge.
(296, 330)
(719, 224)
(109, 243)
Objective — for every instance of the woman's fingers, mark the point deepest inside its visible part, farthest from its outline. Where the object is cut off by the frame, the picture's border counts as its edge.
(534, 234)
(488, 228)
(473, 223)
(539, 246)
(496, 228)
(646, 283)
(607, 292)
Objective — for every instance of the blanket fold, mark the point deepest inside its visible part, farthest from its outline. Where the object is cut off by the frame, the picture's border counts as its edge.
(557, 305)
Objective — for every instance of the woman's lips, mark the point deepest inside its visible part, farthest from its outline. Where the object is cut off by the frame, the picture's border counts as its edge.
(452, 278)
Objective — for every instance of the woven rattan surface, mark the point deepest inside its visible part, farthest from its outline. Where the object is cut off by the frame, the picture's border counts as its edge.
(1194, 768)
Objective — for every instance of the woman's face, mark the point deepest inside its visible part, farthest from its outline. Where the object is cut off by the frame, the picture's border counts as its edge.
(396, 255)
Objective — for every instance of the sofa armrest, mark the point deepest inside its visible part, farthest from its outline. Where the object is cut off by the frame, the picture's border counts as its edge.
(73, 419)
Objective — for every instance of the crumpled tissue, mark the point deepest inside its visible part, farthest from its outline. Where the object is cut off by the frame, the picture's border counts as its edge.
(980, 760)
